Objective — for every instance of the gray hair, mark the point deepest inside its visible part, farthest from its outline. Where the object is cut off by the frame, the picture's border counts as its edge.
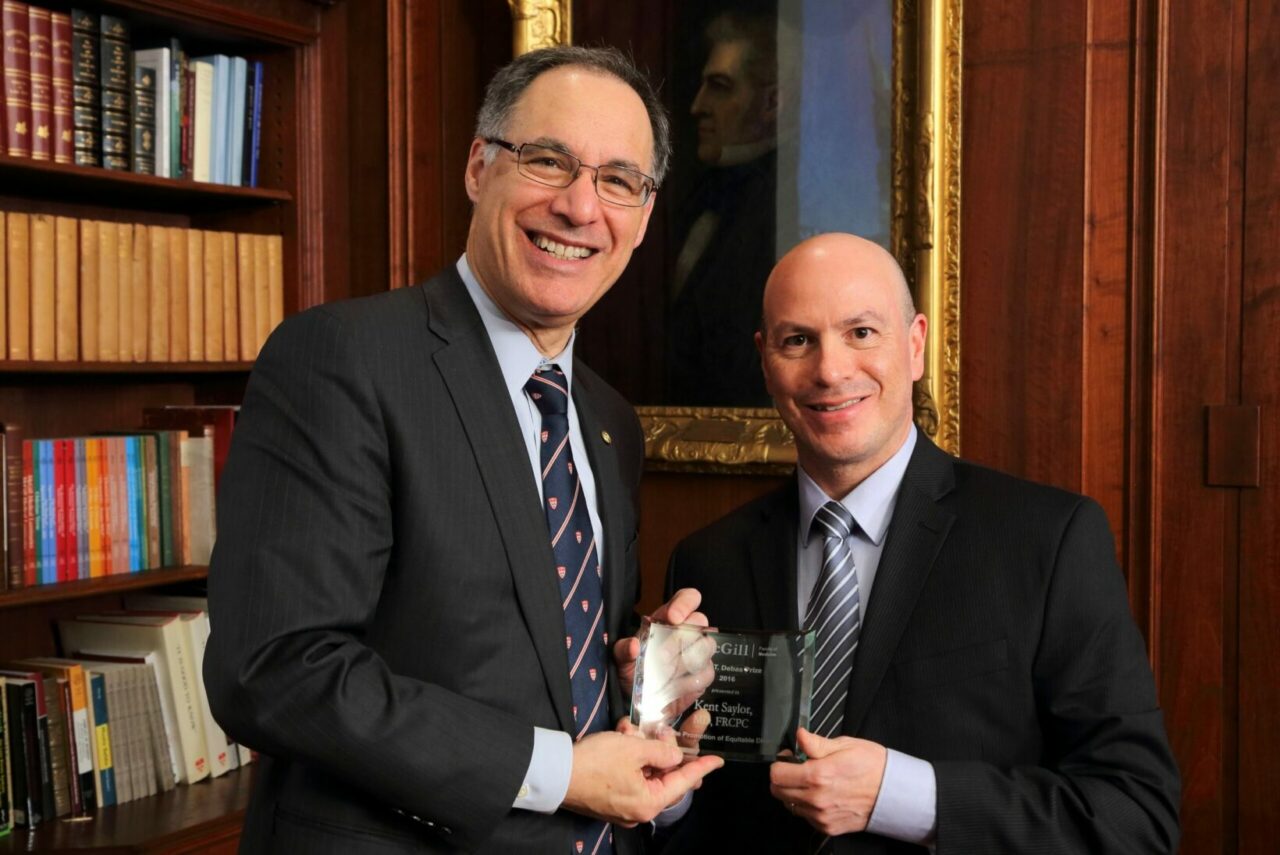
(508, 85)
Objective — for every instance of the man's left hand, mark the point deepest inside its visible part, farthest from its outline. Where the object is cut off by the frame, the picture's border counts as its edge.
(835, 790)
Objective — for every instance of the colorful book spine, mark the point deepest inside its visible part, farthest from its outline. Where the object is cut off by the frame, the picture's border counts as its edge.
(30, 563)
(17, 78)
(100, 717)
(48, 509)
(134, 503)
(80, 453)
(93, 471)
(86, 88)
(62, 551)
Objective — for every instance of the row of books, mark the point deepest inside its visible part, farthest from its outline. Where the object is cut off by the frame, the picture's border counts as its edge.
(76, 91)
(124, 715)
(99, 505)
(126, 292)
(103, 506)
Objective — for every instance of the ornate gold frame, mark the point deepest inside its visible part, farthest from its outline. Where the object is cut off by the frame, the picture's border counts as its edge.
(540, 23)
(925, 238)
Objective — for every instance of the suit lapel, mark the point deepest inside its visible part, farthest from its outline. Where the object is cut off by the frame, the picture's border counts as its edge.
(771, 555)
(470, 370)
(919, 528)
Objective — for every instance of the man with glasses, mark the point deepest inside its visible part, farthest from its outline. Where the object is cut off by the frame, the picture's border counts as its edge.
(426, 550)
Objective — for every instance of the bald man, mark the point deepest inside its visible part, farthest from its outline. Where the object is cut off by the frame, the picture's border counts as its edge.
(980, 685)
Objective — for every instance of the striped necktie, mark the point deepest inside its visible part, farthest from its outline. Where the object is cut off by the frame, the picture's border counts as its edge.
(835, 614)
(581, 585)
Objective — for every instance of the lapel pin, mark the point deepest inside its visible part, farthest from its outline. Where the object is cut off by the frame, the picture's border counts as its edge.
(608, 440)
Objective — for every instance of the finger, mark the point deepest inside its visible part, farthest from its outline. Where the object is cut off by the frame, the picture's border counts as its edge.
(626, 728)
(658, 754)
(813, 745)
(676, 782)
(682, 604)
(697, 619)
(787, 774)
(626, 650)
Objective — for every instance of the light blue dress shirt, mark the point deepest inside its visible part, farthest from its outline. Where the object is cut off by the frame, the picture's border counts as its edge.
(547, 779)
(906, 808)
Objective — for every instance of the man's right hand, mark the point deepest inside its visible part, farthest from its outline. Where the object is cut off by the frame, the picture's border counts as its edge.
(627, 780)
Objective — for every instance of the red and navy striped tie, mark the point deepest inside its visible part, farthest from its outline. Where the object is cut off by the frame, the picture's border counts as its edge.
(573, 543)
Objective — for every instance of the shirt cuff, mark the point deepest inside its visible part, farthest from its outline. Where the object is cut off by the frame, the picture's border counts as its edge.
(547, 780)
(907, 807)
(674, 813)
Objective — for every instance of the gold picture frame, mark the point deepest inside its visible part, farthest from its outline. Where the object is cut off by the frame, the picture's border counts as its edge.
(925, 238)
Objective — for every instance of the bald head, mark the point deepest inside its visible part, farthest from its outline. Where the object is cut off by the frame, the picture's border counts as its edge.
(840, 347)
(836, 256)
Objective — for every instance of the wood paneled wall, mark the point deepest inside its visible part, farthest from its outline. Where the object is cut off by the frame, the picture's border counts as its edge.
(1120, 277)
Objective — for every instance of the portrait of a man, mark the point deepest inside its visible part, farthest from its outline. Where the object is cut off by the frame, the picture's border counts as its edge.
(783, 112)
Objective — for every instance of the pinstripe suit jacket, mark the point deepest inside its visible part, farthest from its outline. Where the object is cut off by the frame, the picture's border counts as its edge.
(997, 644)
(386, 619)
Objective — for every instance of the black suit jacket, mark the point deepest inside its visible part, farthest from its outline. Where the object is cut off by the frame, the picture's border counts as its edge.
(386, 619)
(997, 645)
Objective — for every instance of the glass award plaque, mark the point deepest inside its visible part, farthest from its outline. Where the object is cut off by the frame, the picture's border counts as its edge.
(739, 695)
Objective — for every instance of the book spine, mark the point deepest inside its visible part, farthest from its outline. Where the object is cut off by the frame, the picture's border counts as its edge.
(108, 315)
(30, 572)
(179, 344)
(150, 474)
(195, 294)
(63, 123)
(93, 477)
(90, 291)
(255, 134)
(103, 762)
(58, 696)
(66, 288)
(86, 88)
(6, 796)
(43, 300)
(60, 493)
(17, 78)
(134, 503)
(28, 796)
(40, 54)
(42, 485)
(13, 505)
(80, 453)
(18, 284)
(116, 81)
(143, 113)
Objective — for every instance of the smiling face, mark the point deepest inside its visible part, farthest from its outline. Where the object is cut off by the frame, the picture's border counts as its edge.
(545, 255)
(840, 356)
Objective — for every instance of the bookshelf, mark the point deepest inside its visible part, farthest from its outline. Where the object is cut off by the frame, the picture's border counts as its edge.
(305, 194)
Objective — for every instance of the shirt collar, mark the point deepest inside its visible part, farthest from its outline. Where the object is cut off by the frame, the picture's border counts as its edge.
(871, 502)
(517, 356)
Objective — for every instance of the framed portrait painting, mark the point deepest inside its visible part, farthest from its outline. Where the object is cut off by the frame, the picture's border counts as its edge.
(790, 118)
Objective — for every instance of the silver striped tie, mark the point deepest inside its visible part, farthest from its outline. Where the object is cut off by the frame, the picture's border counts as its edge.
(835, 613)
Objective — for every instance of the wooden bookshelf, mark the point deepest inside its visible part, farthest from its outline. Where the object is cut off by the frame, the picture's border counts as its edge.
(202, 817)
(82, 588)
(312, 176)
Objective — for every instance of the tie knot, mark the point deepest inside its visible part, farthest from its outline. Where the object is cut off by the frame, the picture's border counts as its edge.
(833, 520)
(549, 389)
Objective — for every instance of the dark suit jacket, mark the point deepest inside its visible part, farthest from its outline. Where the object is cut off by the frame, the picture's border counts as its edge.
(997, 644)
(386, 619)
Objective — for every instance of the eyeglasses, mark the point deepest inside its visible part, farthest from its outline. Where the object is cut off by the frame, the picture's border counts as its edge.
(556, 168)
